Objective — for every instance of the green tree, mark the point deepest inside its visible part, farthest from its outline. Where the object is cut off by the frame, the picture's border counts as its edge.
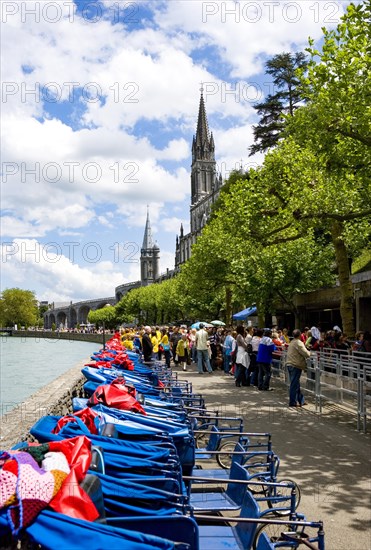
(40, 312)
(128, 307)
(172, 303)
(282, 228)
(208, 279)
(153, 304)
(106, 315)
(335, 126)
(18, 307)
(253, 249)
(284, 101)
(273, 255)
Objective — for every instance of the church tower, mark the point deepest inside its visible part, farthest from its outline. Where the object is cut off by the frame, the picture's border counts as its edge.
(203, 169)
(205, 186)
(149, 257)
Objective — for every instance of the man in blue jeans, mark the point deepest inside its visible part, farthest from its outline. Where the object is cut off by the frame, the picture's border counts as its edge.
(202, 350)
(296, 362)
(227, 351)
(264, 360)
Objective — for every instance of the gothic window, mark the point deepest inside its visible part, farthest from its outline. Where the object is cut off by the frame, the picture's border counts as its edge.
(204, 181)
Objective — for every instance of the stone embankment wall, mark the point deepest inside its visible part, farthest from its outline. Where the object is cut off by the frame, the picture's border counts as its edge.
(82, 337)
(53, 399)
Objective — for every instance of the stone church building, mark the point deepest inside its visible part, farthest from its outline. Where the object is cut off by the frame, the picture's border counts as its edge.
(318, 307)
(205, 186)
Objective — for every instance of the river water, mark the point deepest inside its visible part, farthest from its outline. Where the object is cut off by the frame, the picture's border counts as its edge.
(27, 364)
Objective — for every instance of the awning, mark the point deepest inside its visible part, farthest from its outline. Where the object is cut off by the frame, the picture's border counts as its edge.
(245, 313)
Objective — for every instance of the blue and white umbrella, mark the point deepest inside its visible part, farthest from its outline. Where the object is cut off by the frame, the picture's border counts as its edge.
(197, 325)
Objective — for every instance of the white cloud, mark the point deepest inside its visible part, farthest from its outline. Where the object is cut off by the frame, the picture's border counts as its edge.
(111, 156)
(234, 143)
(166, 260)
(68, 178)
(172, 225)
(143, 73)
(177, 149)
(11, 226)
(38, 267)
(244, 32)
(104, 221)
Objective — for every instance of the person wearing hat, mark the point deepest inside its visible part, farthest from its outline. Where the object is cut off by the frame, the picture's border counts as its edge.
(202, 350)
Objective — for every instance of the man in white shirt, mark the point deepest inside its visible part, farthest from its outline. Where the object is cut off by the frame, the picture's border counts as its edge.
(202, 350)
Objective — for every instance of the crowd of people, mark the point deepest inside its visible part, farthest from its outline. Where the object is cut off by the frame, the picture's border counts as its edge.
(244, 353)
(315, 339)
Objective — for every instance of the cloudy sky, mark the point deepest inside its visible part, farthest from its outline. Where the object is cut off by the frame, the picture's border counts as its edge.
(99, 105)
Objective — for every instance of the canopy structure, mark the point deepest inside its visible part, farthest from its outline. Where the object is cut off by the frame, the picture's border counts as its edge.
(245, 313)
(218, 323)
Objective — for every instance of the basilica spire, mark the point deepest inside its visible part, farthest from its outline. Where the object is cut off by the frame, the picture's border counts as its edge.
(202, 133)
(205, 185)
(203, 144)
(147, 239)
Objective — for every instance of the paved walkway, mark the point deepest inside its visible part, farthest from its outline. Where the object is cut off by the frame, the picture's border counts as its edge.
(325, 455)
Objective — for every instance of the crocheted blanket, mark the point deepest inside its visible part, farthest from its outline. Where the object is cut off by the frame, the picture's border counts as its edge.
(26, 487)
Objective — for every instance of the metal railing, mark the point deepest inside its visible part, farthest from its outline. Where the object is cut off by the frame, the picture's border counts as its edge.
(336, 376)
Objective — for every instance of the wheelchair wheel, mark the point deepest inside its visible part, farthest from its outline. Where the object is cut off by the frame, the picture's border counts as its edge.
(283, 491)
(259, 489)
(202, 438)
(225, 460)
(272, 531)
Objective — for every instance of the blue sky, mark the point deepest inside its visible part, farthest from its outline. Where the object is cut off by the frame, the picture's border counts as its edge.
(99, 106)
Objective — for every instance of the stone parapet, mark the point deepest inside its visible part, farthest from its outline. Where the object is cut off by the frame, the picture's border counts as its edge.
(49, 334)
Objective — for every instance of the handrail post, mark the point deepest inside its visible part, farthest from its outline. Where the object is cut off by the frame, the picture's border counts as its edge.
(359, 391)
(321, 538)
(317, 385)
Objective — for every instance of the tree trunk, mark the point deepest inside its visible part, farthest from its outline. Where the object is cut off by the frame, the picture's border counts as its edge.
(261, 314)
(261, 319)
(298, 323)
(228, 306)
(346, 290)
(267, 320)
